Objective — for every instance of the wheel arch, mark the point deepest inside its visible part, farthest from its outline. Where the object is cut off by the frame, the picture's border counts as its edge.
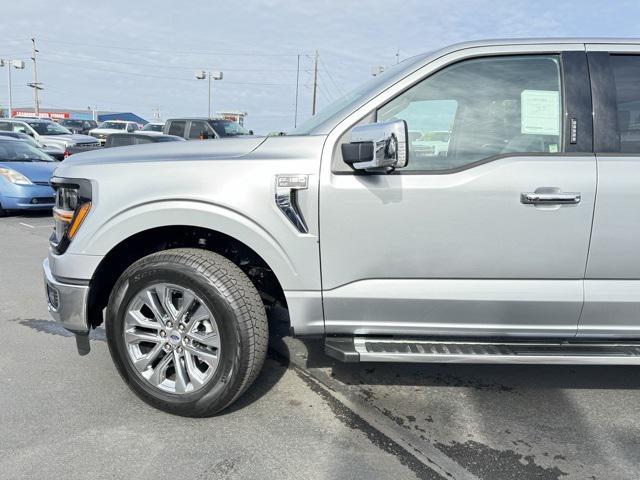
(163, 237)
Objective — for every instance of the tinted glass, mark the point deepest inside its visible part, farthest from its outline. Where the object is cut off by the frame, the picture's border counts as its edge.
(120, 140)
(227, 128)
(480, 108)
(177, 128)
(153, 127)
(140, 140)
(113, 125)
(198, 130)
(48, 128)
(626, 73)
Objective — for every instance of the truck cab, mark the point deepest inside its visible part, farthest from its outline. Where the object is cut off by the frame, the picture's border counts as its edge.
(473, 204)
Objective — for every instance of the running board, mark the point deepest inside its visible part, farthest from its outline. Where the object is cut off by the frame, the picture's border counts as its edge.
(369, 349)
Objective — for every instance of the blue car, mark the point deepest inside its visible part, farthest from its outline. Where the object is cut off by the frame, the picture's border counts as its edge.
(25, 172)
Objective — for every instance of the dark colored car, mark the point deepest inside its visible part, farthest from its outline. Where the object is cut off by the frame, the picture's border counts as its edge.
(78, 126)
(52, 152)
(25, 172)
(126, 139)
(204, 128)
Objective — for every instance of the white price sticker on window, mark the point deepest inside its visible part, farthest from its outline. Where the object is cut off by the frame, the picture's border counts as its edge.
(540, 112)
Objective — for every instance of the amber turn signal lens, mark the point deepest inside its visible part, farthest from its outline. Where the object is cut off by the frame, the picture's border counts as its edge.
(79, 217)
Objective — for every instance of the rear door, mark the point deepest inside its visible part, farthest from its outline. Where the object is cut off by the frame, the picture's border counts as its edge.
(612, 284)
(451, 245)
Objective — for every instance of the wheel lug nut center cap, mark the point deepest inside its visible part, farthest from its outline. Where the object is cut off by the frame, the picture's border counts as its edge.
(175, 337)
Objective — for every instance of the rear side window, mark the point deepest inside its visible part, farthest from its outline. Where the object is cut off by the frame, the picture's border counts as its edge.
(198, 130)
(481, 108)
(177, 128)
(119, 140)
(626, 74)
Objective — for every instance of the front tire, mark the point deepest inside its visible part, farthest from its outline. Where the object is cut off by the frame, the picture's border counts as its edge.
(187, 331)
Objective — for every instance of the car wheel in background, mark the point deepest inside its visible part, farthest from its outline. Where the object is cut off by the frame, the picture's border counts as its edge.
(187, 331)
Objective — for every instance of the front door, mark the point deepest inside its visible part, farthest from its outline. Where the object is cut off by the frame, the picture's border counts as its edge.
(486, 231)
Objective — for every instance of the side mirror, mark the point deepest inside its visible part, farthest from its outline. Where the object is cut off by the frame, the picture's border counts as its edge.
(377, 147)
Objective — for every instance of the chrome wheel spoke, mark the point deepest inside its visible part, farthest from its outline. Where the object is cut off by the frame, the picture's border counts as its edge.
(137, 336)
(210, 339)
(188, 300)
(150, 300)
(159, 374)
(181, 375)
(204, 355)
(143, 362)
(200, 314)
(134, 317)
(195, 375)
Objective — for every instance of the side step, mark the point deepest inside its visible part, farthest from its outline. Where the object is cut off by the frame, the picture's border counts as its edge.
(411, 350)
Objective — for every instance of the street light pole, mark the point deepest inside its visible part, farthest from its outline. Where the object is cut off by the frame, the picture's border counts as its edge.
(209, 75)
(17, 64)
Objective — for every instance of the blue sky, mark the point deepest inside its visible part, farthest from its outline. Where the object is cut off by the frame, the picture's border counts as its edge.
(134, 55)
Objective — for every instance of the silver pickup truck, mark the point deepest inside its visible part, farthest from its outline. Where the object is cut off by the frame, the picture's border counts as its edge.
(518, 242)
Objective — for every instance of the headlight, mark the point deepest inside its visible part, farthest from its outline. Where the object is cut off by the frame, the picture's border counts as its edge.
(14, 177)
(73, 204)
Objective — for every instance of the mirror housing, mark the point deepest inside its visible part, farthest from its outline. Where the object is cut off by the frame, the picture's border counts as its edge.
(377, 147)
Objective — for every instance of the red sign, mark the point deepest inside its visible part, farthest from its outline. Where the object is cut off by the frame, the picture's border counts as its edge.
(43, 114)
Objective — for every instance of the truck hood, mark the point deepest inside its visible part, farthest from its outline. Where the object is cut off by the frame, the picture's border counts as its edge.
(166, 152)
(34, 171)
(61, 141)
(106, 131)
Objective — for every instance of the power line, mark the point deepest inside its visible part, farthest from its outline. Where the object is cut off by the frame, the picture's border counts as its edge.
(149, 75)
(331, 78)
(173, 67)
(184, 52)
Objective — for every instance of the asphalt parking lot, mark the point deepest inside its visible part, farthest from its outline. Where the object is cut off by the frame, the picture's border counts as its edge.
(65, 416)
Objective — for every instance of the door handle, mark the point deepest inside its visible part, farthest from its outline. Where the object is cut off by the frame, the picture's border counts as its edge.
(550, 196)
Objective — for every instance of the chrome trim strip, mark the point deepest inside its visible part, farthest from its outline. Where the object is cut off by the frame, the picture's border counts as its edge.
(286, 190)
(573, 356)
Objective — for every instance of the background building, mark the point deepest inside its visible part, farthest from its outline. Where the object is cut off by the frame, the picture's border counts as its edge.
(88, 114)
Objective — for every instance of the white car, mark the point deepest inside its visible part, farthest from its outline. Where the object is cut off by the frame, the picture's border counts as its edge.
(112, 126)
(153, 128)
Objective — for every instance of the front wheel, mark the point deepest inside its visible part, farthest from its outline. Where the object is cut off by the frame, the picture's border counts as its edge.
(187, 331)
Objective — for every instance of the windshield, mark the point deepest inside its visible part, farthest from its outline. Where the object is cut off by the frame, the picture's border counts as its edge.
(113, 125)
(48, 128)
(72, 123)
(355, 98)
(17, 151)
(227, 128)
(152, 127)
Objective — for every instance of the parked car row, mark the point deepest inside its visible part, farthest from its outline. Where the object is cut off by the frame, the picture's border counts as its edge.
(32, 145)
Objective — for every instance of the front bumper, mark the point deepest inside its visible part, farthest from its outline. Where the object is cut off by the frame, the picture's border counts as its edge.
(28, 197)
(67, 303)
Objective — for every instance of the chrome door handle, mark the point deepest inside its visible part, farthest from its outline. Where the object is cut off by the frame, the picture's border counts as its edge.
(550, 197)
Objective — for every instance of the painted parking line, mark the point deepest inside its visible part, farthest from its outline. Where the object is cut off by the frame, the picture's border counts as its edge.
(35, 226)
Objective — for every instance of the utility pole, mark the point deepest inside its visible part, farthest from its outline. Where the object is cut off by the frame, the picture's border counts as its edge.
(209, 75)
(295, 117)
(35, 85)
(315, 84)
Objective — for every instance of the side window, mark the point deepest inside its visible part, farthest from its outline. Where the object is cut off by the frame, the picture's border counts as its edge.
(177, 128)
(199, 130)
(626, 72)
(119, 140)
(479, 108)
(20, 128)
(140, 140)
(5, 126)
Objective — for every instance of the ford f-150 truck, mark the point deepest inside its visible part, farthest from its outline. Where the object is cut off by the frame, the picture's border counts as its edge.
(518, 243)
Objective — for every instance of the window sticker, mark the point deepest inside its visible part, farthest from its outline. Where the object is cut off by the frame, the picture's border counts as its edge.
(540, 112)
(553, 148)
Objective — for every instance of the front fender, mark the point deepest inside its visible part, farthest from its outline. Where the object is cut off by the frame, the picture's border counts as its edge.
(213, 217)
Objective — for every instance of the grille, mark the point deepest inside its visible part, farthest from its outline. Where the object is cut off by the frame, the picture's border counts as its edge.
(44, 184)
